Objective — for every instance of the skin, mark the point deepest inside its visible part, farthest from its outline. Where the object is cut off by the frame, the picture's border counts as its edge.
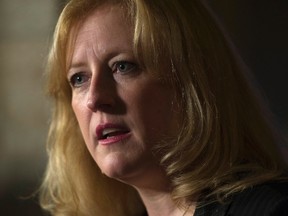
(109, 87)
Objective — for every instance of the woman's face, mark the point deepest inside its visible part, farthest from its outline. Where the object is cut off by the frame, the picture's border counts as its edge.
(122, 110)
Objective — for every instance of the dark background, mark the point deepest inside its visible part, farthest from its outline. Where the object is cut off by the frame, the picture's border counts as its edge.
(259, 29)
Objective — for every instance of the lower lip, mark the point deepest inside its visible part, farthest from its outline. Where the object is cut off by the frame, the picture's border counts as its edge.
(114, 139)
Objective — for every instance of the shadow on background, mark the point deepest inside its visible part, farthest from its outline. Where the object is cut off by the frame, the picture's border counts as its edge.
(25, 30)
(14, 200)
(258, 28)
(260, 31)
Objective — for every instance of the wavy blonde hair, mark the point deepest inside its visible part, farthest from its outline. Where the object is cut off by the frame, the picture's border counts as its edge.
(225, 144)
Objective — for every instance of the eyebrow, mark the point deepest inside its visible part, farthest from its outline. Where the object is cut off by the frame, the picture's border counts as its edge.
(79, 64)
(76, 65)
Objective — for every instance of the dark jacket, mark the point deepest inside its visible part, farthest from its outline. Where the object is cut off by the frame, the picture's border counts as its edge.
(263, 200)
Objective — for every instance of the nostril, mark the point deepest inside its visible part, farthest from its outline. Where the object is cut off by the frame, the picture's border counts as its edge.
(91, 103)
(102, 91)
(95, 103)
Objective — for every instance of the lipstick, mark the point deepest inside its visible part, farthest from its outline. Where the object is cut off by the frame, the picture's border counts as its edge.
(109, 133)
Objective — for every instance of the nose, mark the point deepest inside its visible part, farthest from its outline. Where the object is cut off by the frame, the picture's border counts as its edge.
(101, 93)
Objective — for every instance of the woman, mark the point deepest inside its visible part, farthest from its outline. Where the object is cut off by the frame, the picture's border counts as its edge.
(154, 116)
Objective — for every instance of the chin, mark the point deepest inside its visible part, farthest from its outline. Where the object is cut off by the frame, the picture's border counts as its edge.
(116, 165)
(128, 170)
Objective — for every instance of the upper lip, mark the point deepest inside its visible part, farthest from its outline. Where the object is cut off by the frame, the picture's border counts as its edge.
(104, 129)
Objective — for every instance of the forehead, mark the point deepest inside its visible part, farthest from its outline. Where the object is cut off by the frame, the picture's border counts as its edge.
(105, 30)
(103, 14)
(104, 20)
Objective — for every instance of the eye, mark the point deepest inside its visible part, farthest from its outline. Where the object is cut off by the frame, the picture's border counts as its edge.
(78, 79)
(123, 67)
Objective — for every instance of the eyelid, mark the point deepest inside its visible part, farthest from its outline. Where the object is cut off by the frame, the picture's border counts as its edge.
(119, 63)
(73, 76)
(122, 57)
(76, 68)
(70, 74)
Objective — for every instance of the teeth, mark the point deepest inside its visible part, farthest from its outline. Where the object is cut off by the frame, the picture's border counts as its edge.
(108, 132)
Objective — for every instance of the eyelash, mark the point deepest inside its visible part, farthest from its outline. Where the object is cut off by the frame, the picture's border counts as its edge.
(116, 68)
(80, 78)
(75, 77)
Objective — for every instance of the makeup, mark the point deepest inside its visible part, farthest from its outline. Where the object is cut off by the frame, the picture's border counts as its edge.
(109, 133)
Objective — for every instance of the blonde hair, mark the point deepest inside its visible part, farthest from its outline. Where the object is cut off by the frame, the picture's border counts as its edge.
(225, 144)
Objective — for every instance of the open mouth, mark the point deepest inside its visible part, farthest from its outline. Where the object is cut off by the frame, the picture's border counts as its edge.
(111, 133)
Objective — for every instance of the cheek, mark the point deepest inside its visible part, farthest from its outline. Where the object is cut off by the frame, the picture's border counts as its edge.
(156, 116)
(77, 108)
(82, 117)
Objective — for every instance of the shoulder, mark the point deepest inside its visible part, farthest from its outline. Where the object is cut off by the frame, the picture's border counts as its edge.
(270, 199)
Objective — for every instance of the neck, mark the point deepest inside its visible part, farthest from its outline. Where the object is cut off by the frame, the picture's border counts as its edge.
(154, 189)
(158, 201)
